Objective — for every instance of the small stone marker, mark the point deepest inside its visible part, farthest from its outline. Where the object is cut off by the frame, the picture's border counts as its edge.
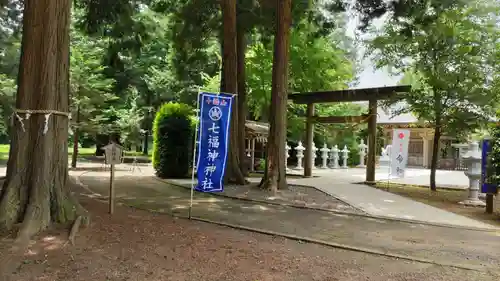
(113, 154)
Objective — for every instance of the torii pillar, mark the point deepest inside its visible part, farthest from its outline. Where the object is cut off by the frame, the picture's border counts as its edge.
(308, 158)
(372, 141)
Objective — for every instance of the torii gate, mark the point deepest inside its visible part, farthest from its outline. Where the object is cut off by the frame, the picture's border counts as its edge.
(372, 95)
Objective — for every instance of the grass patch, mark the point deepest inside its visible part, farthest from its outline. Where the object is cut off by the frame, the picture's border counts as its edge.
(83, 151)
(4, 152)
(443, 199)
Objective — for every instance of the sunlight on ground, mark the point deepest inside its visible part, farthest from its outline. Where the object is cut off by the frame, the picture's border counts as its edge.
(207, 200)
(52, 243)
(341, 215)
(47, 243)
(376, 220)
(259, 207)
(30, 252)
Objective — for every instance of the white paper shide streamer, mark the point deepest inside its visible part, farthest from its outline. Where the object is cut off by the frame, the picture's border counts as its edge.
(47, 113)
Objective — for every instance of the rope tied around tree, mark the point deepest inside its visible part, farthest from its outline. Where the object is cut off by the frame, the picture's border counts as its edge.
(47, 112)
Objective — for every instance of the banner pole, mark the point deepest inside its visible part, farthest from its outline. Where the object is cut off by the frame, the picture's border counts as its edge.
(195, 167)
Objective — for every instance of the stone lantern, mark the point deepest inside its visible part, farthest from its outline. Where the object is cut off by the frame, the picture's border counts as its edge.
(300, 155)
(287, 155)
(345, 156)
(472, 159)
(324, 156)
(313, 155)
(334, 157)
(362, 153)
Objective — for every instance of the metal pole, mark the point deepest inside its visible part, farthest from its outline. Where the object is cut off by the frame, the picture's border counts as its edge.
(194, 152)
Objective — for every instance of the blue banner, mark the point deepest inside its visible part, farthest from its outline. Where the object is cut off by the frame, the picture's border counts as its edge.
(213, 137)
(486, 186)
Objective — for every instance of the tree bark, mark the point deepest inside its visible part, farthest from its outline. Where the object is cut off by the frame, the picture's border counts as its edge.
(35, 191)
(145, 148)
(275, 173)
(437, 137)
(242, 96)
(435, 156)
(76, 135)
(230, 85)
(149, 122)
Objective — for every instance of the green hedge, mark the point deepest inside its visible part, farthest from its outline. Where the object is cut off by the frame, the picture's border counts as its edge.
(173, 140)
(494, 161)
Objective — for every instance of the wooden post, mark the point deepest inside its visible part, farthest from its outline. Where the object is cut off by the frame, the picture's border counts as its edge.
(113, 154)
(489, 203)
(112, 190)
(309, 140)
(372, 142)
(252, 155)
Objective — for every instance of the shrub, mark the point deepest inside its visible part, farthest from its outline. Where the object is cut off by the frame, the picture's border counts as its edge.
(494, 161)
(173, 140)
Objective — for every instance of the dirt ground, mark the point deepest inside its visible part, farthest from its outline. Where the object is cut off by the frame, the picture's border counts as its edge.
(443, 245)
(138, 245)
(443, 199)
(294, 195)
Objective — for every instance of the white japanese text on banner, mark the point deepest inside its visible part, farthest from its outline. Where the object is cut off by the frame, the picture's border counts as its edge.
(213, 137)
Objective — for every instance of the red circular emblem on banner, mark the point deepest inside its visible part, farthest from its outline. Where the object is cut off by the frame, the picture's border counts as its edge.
(401, 135)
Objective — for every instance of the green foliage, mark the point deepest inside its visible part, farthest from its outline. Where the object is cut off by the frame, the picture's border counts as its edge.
(130, 120)
(128, 58)
(450, 60)
(90, 89)
(494, 159)
(172, 135)
(196, 26)
(315, 64)
(7, 92)
(411, 14)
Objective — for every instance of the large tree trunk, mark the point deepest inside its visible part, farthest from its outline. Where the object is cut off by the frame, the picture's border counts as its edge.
(435, 156)
(275, 173)
(437, 137)
(230, 85)
(147, 127)
(76, 136)
(242, 96)
(35, 191)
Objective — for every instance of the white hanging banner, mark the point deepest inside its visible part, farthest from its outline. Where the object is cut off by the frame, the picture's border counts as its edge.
(399, 152)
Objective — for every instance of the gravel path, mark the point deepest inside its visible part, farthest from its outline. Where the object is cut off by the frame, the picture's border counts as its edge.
(141, 246)
(446, 245)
